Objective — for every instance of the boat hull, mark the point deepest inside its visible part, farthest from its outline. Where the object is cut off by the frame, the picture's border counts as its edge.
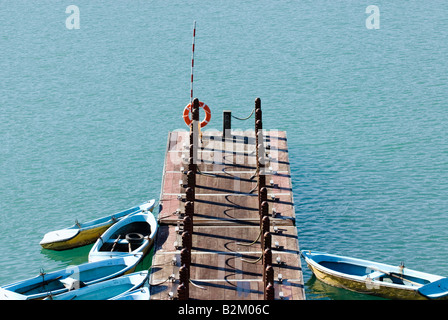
(106, 290)
(365, 287)
(82, 238)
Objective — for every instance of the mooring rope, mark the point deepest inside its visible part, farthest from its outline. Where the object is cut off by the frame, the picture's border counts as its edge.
(158, 284)
(253, 110)
(196, 285)
(253, 261)
(253, 189)
(253, 242)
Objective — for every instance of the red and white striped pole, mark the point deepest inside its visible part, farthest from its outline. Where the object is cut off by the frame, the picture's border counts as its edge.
(192, 64)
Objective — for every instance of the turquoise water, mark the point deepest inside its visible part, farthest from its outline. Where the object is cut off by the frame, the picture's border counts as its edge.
(85, 115)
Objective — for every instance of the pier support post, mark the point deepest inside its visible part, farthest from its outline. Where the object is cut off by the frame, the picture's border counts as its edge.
(195, 130)
(226, 123)
(264, 220)
(258, 127)
(183, 288)
(266, 237)
(189, 192)
(184, 275)
(264, 229)
(188, 224)
(186, 240)
(257, 103)
(267, 256)
(191, 179)
(263, 195)
(264, 208)
(185, 257)
(189, 209)
(269, 291)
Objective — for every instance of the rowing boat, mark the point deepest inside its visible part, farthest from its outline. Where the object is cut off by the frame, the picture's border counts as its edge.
(138, 294)
(60, 281)
(81, 234)
(373, 278)
(134, 234)
(106, 290)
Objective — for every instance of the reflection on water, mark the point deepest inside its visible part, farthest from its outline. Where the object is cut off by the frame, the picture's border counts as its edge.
(318, 290)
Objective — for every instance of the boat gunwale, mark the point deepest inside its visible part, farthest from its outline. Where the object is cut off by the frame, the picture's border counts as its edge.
(142, 291)
(102, 222)
(128, 278)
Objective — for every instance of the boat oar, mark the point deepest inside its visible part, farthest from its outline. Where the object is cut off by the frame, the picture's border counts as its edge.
(395, 276)
(115, 243)
(41, 284)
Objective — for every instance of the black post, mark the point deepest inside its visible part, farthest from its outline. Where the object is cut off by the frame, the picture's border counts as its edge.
(184, 279)
(226, 123)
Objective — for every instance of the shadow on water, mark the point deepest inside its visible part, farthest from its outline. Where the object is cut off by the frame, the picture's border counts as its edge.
(80, 255)
(73, 256)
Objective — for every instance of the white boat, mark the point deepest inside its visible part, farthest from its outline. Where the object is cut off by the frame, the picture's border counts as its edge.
(134, 234)
(81, 234)
(138, 294)
(60, 281)
(106, 289)
(379, 279)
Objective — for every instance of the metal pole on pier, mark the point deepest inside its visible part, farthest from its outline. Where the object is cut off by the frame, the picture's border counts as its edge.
(226, 123)
(266, 237)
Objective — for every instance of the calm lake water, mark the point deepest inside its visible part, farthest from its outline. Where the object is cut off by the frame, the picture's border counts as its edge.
(85, 115)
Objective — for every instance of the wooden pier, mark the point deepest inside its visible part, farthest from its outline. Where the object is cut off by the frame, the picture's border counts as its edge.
(227, 222)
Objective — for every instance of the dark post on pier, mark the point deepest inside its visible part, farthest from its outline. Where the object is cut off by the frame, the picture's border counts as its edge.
(227, 220)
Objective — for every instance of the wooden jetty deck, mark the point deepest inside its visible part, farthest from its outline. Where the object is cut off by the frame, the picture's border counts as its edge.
(225, 258)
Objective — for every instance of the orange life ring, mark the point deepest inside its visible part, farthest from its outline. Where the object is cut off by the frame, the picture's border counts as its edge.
(208, 114)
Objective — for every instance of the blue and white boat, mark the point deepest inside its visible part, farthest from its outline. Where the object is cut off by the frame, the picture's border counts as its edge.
(106, 290)
(72, 277)
(134, 234)
(379, 279)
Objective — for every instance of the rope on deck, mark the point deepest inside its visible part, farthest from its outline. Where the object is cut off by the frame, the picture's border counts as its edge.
(253, 261)
(253, 242)
(253, 110)
(197, 286)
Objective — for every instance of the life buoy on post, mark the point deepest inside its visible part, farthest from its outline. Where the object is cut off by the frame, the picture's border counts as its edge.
(208, 114)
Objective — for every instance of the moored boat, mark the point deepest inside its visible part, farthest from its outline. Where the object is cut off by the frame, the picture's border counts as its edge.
(105, 290)
(378, 279)
(134, 234)
(60, 281)
(81, 234)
